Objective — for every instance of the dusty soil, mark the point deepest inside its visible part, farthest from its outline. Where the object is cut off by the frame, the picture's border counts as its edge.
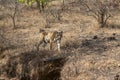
(88, 52)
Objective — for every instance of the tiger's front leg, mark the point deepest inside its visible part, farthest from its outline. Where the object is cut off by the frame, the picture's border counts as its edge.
(51, 42)
(58, 44)
(37, 46)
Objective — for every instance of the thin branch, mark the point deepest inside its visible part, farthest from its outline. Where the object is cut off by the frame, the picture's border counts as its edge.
(107, 18)
(95, 14)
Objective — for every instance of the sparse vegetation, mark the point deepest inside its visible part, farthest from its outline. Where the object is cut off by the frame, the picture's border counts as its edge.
(88, 52)
(100, 10)
(41, 4)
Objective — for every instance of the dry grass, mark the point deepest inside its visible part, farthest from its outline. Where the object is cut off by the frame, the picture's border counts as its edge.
(93, 61)
(88, 52)
(32, 65)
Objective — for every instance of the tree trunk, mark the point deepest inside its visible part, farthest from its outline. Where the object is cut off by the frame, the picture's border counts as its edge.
(101, 20)
(38, 5)
(13, 16)
(13, 19)
(42, 5)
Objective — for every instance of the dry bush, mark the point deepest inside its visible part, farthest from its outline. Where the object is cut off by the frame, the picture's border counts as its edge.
(94, 59)
(100, 10)
(32, 66)
(90, 67)
(113, 26)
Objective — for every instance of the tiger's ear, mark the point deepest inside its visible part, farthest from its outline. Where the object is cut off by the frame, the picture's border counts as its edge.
(60, 32)
(41, 30)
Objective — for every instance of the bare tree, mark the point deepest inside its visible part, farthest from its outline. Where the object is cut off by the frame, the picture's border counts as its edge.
(13, 14)
(51, 15)
(38, 5)
(56, 13)
(101, 10)
(11, 8)
(41, 4)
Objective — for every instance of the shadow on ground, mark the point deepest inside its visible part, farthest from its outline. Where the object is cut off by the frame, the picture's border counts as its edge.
(42, 65)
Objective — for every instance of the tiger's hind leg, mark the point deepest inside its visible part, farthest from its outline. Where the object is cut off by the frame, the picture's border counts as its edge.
(44, 44)
(38, 45)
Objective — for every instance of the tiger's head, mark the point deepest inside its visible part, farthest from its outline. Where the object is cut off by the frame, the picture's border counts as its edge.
(58, 35)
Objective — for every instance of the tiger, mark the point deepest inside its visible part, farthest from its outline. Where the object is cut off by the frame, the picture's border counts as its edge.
(50, 37)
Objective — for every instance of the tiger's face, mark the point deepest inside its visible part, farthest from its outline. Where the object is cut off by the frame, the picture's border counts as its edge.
(58, 36)
(51, 37)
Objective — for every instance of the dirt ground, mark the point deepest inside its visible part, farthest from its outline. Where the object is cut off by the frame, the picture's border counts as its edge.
(88, 52)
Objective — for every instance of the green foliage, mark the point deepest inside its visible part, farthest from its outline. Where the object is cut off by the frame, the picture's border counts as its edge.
(30, 2)
(41, 4)
(27, 2)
